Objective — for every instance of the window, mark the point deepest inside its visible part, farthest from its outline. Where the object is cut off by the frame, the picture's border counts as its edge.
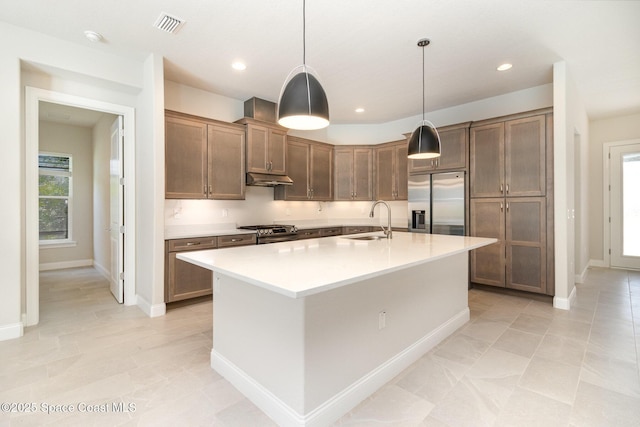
(55, 195)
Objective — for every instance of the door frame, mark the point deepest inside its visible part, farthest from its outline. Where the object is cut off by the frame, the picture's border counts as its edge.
(606, 195)
(33, 96)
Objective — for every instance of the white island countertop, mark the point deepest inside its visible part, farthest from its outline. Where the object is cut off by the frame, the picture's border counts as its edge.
(305, 267)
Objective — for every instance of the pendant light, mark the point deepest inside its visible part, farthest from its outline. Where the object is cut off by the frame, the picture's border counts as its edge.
(302, 102)
(425, 140)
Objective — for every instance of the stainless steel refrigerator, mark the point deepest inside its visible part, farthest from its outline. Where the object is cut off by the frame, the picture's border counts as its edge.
(436, 203)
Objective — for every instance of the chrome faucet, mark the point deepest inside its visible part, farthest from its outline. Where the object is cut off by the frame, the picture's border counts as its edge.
(387, 232)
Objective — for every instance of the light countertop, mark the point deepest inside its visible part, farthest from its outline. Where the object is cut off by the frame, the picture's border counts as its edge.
(306, 267)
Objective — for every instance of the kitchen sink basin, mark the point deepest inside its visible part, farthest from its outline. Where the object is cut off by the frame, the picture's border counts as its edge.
(367, 238)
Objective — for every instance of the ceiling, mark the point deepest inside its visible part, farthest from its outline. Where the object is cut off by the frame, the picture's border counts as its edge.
(365, 51)
(64, 114)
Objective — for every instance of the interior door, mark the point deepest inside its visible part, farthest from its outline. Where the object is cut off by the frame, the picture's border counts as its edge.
(116, 211)
(625, 206)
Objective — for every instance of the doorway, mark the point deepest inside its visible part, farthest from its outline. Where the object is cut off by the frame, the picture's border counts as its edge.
(33, 98)
(624, 205)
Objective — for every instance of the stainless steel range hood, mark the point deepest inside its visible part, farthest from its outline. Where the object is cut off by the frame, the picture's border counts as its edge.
(264, 180)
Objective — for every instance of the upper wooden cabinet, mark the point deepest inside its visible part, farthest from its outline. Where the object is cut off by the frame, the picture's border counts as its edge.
(310, 166)
(509, 158)
(266, 147)
(454, 151)
(353, 173)
(391, 171)
(203, 158)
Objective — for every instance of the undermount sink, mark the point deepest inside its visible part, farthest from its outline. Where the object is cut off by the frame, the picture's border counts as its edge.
(367, 238)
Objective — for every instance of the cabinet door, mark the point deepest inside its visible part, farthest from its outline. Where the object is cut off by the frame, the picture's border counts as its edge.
(362, 182)
(525, 157)
(453, 149)
(321, 176)
(276, 155)
(185, 159)
(186, 280)
(487, 220)
(526, 244)
(401, 172)
(487, 161)
(257, 139)
(226, 162)
(298, 160)
(418, 166)
(344, 173)
(384, 172)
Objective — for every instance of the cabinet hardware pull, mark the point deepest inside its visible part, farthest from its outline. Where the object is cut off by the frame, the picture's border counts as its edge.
(507, 206)
(209, 189)
(205, 190)
(501, 187)
(236, 240)
(192, 243)
(501, 206)
(507, 191)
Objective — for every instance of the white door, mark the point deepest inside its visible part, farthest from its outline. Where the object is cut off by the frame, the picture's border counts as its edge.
(625, 206)
(116, 211)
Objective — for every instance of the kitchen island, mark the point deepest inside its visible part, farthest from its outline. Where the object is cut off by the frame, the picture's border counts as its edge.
(308, 329)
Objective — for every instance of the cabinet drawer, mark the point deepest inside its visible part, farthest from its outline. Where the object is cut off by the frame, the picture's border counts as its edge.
(236, 240)
(197, 243)
(309, 234)
(355, 230)
(335, 231)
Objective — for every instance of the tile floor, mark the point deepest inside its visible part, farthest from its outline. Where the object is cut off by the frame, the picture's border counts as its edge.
(519, 362)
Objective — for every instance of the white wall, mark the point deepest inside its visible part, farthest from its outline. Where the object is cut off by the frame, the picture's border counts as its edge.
(150, 190)
(570, 118)
(101, 139)
(74, 140)
(70, 68)
(600, 132)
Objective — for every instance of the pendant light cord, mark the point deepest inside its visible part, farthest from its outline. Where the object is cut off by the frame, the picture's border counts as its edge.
(304, 33)
(423, 83)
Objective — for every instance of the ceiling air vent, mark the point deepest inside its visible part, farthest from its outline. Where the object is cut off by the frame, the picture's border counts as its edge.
(168, 23)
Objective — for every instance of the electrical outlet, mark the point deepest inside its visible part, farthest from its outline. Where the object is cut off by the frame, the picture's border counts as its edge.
(225, 213)
(382, 320)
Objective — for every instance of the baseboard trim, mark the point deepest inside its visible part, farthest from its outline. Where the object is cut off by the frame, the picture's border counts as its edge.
(345, 400)
(103, 271)
(66, 264)
(151, 310)
(580, 278)
(565, 303)
(598, 263)
(11, 331)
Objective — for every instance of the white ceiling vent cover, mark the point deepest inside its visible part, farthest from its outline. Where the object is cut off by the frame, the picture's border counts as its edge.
(168, 23)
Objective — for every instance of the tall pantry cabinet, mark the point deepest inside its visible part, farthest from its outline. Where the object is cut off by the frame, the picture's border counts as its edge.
(511, 199)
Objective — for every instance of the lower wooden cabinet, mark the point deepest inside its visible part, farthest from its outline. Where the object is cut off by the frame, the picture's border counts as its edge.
(183, 280)
(519, 259)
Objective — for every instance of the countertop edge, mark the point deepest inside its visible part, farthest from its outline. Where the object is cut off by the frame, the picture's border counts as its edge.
(329, 286)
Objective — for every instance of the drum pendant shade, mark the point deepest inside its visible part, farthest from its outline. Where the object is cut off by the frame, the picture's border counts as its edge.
(303, 104)
(424, 143)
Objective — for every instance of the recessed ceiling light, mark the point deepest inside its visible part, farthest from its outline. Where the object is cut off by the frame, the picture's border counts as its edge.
(359, 110)
(92, 36)
(240, 66)
(504, 67)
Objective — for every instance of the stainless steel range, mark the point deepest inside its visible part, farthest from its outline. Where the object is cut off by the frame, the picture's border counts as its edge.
(273, 233)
